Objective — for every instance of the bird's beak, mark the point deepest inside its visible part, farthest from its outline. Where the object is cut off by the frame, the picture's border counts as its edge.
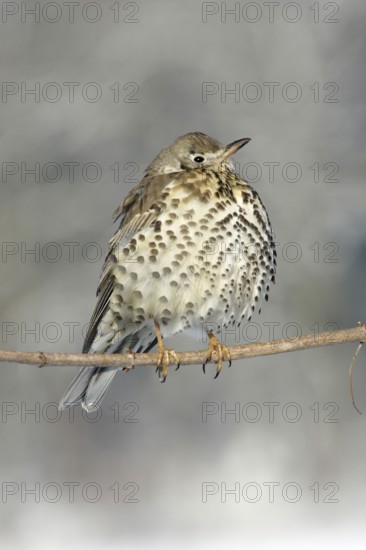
(234, 147)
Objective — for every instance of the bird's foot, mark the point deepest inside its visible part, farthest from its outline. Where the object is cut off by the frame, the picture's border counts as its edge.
(223, 354)
(165, 357)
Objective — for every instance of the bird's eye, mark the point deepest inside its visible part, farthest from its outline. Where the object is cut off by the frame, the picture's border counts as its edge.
(199, 159)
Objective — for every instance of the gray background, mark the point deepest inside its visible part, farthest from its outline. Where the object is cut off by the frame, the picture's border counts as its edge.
(169, 453)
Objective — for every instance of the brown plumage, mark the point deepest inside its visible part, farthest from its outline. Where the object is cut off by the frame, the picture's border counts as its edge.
(194, 251)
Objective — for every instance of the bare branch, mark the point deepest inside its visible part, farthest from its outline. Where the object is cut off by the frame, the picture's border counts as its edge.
(129, 360)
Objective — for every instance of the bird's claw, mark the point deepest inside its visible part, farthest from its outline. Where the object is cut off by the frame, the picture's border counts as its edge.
(223, 354)
(166, 356)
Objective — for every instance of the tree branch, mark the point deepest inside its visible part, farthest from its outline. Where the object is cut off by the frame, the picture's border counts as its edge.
(129, 360)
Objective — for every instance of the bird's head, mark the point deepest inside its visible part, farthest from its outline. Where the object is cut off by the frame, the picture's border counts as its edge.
(195, 151)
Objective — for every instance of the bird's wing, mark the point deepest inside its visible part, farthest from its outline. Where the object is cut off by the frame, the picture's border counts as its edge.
(139, 209)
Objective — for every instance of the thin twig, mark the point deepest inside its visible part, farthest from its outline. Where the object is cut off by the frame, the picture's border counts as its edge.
(129, 360)
(355, 355)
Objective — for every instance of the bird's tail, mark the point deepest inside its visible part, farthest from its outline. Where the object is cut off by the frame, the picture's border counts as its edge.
(88, 388)
(90, 385)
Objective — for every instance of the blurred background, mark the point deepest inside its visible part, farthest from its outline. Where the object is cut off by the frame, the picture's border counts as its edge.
(272, 452)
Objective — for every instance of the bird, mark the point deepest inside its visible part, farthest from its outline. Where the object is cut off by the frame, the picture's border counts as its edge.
(194, 253)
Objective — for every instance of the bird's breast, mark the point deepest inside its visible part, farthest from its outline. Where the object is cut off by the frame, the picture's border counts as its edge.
(200, 262)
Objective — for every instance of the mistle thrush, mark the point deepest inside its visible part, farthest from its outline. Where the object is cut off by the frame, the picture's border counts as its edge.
(194, 250)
